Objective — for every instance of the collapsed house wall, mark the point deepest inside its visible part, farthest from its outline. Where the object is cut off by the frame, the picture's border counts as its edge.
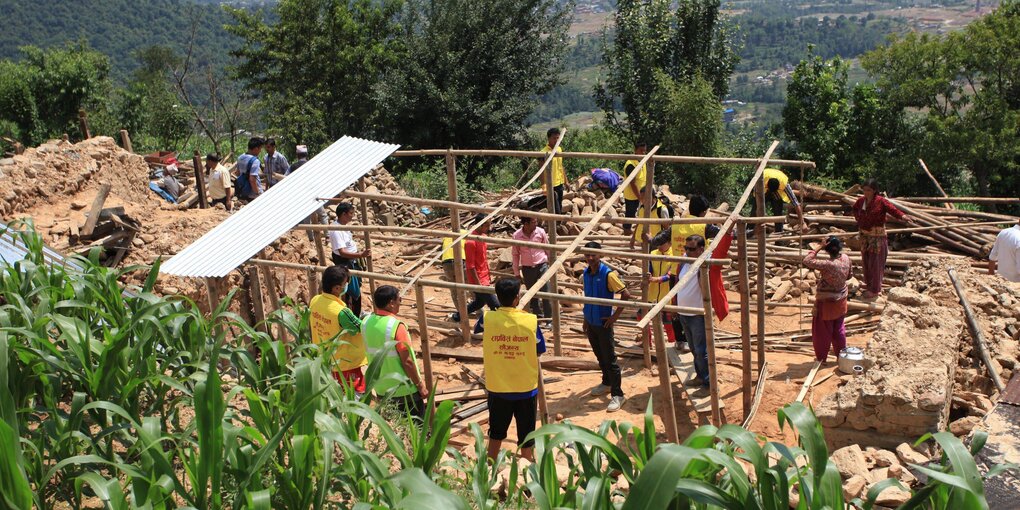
(916, 354)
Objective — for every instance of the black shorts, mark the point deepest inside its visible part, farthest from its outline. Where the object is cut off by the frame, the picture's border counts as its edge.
(524, 412)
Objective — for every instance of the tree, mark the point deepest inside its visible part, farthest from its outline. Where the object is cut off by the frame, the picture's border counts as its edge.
(314, 69)
(694, 40)
(817, 112)
(472, 71)
(148, 105)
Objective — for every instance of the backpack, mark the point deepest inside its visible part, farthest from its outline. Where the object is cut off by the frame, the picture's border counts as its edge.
(243, 185)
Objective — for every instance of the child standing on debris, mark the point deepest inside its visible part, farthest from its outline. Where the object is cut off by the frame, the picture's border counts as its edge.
(333, 324)
(827, 328)
(601, 281)
(870, 212)
(511, 367)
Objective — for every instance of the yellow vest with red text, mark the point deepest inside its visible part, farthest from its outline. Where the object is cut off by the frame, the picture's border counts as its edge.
(680, 233)
(509, 352)
(325, 324)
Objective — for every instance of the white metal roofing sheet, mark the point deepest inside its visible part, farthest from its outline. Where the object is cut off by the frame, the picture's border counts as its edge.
(271, 215)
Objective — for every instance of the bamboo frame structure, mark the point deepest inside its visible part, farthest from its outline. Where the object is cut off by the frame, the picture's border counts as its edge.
(261, 269)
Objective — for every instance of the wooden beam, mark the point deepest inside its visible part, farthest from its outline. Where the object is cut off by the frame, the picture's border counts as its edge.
(975, 332)
(83, 123)
(713, 372)
(255, 294)
(935, 181)
(763, 376)
(125, 140)
(423, 332)
(807, 381)
(551, 362)
(665, 385)
(971, 200)
(759, 232)
(724, 230)
(367, 234)
(745, 317)
(550, 202)
(609, 203)
(274, 301)
(97, 207)
(646, 334)
(695, 160)
(203, 203)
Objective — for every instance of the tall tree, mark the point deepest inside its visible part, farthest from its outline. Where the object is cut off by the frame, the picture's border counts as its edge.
(692, 40)
(315, 67)
(472, 71)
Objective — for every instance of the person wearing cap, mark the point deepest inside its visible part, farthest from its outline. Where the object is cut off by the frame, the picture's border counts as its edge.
(220, 189)
(276, 163)
(301, 154)
(169, 182)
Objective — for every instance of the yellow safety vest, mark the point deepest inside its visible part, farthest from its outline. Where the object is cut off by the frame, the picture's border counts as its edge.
(656, 290)
(559, 175)
(325, 324)
(509, 351)
(680, 233)
(652, 229)
(448, 248)
(638, 181)
(772, 173)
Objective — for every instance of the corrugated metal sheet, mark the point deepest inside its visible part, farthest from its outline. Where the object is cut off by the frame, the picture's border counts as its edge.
(12, 249)
(286, 204)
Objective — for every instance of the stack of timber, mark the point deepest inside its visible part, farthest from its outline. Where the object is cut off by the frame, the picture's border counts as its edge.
(109, 229)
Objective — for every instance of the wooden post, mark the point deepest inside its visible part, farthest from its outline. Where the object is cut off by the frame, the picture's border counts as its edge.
(550, 202)
(423, 331)
(936, 181)
(97, 207)
(313, 283)
(713, 375)
(543, 404)
(83, 123)
(255, 294)
(646, 334)
(367, 235)
(759, 232)
(665, 382)
(320, 251)
(212, 292)
(200, 180)
(274, 301)
(125, 140)
(745, 317)
(458, 260)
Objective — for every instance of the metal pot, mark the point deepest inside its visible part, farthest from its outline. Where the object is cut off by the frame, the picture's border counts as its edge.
(848, 358)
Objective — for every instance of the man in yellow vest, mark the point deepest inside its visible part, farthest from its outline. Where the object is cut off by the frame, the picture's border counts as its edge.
(448, 270)
(334, 326)
(659, 210)
(559, 174)
(697, 207)
(778, 193)
(632, 193)
(386, 335)
(511, 345)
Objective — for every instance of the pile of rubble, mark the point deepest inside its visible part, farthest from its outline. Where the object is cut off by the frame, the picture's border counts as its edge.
(861, 469)
(381, 212)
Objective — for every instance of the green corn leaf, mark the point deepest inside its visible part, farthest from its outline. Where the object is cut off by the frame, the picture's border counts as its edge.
(877, 489)
(656, 486)
(209, 410)
(423, 493)
(259, 500)
(15, 493)
(109, 491)
(706, 494)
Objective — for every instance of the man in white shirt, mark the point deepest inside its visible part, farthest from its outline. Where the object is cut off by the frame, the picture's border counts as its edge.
(345, 253)
(1005, 255)
(693, 325)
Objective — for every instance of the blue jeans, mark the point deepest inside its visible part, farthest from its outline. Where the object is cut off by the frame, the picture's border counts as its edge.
(694, 330)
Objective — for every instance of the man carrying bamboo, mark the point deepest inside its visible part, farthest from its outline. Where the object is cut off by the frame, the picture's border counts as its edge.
(511, 345)
(601, 281)
(386, 336)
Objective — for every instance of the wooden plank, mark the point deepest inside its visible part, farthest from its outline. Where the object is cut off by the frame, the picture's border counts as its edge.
(980, 345)
(758, 391)
(97, 207)
(697, 160)
(1011, 395)
(935, 181)
(255, 294)
(807, 381)
(713, 376)
(745, 318)
(200, 180)
(550, 202)
(463, 395)
(423, 333)
(363, 206)
(669, 413)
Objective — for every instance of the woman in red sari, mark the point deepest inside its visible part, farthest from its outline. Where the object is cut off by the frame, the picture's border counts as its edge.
(870, 212)
(827, 328)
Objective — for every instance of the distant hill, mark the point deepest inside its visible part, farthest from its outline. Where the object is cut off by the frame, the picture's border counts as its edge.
(117, 28)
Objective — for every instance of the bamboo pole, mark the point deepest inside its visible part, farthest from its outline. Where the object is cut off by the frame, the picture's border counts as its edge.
(891, 231)
(457, 247)
(745, 317)
(632, 305)
(975, 332)
(550, 202)
(423, 332)
(609, 203)
(320, 250)
(758, 392)
(255, 294)
(936, 181)
(503, 241)
(713, 373)
(697, 160)
(724, 230)
(367, 234)
(665, 384)
(545, 216)
(759, 232)
(274, 301)
(646, 335)
(969, 200)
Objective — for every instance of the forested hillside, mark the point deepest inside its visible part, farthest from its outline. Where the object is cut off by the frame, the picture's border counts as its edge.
(117, 28)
